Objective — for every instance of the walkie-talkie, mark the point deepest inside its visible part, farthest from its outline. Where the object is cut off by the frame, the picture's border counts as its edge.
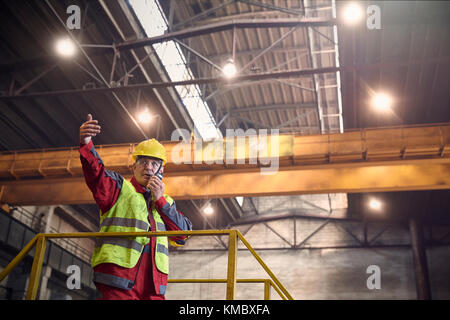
(159, 173)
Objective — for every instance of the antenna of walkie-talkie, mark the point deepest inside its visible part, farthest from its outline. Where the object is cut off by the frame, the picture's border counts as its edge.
(159, 173)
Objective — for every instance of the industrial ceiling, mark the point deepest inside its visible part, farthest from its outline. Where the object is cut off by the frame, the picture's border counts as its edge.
(301, 70)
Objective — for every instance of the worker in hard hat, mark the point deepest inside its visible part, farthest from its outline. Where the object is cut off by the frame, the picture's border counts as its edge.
(131, 268)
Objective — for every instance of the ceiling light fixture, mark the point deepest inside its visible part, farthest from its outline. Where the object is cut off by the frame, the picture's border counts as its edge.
(375, 204)
(65, 47)
(382, 102)
(352, 13)
(229, 69)
(208, 210)
(145, 117)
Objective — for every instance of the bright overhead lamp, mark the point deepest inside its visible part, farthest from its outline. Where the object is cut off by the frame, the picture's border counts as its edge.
(208, 210)
(375, 204)
(382, 102)
(145, 117)
(352, 13)
(229, 69)
(65, 47)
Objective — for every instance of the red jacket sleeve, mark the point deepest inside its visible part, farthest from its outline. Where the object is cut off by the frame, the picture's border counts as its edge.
(173, 219)
(104, 184)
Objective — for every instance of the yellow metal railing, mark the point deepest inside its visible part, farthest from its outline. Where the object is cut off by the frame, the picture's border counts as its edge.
(268, 283)
(40, 242)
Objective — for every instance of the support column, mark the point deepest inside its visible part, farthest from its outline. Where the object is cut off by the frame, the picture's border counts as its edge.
(419, 259)
(44, 292)
(48, 218)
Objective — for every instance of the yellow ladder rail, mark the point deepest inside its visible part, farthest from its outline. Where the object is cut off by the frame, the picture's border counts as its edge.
(40, 241)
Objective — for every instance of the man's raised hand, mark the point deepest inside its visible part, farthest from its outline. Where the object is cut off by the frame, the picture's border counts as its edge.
(89, 129)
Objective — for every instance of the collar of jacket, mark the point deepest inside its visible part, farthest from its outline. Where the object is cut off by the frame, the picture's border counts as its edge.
(138, 187)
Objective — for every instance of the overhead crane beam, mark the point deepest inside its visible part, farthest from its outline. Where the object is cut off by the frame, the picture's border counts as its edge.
(222, 80)
(367, 160)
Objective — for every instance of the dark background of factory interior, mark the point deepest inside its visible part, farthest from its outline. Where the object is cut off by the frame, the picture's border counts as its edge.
(303, 79)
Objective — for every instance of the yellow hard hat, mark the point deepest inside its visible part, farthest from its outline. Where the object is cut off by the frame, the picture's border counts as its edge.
(150, 148)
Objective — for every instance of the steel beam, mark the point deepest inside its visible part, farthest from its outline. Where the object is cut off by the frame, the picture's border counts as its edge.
(272, 107)
(227, 25)
(279, 235)
(223, 56)
(304, 241)
(39, 76)
(252, 122)
(269, 48)
(407, 158)
(94, 66)
(351, 179)
(294, 215)
(202, 57)
(272, 7)
(420, 260)
(153, 59)
(295, 85)
(221, 80)
(155, 85)
(293, 120)
(202, 14)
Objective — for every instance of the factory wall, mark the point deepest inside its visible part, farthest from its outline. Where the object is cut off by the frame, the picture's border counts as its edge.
(14, 235)
(312, 273)
(316, 270)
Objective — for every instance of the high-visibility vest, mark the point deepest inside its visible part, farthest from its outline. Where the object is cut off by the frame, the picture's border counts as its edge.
(130, 214)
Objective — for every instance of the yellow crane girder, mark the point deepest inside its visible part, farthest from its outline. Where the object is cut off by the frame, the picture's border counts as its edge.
(380, 159)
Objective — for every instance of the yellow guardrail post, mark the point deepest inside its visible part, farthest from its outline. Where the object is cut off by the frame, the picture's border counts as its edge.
(265, 267)
(232, 264)
(35, 276)
(267, 285)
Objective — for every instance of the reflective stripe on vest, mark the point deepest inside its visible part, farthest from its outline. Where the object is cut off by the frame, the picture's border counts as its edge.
(125, 222)
(125, 243)
(130, 214)
(112, 280)
(162, 249)
(160, 226)
(119, 282)
(159, 248)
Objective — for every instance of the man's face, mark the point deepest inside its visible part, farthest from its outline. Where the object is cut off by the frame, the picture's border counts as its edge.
(144, 168)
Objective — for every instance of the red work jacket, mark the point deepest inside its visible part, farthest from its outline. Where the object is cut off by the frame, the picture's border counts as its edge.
(105, 186)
